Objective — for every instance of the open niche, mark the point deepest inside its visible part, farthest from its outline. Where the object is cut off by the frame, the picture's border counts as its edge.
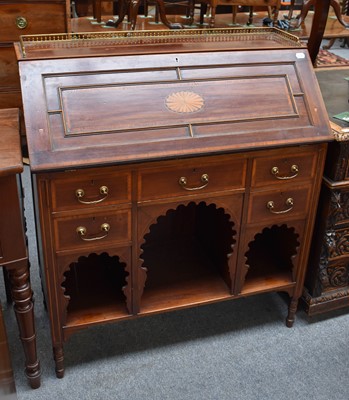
(93, 287)
(186, 256)
(269, 260)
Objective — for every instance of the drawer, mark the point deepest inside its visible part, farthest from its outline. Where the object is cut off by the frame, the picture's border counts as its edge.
(192, 178)
(29, 18)
(89, 190)
(9, 75)
(290, 167)
(98, 229)
(278, 205)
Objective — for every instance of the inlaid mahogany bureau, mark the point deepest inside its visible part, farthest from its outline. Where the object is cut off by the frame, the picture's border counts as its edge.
(170, 169)
(13, 248)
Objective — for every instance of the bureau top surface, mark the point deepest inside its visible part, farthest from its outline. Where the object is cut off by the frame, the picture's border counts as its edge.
(87, 111)
(89, 44)
(10, 150)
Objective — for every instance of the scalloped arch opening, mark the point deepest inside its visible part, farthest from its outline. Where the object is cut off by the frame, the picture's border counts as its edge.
(95, 280)
(186, 243)
(271, 254)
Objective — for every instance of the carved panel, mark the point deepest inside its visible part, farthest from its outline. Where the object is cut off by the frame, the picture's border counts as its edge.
(339, 207)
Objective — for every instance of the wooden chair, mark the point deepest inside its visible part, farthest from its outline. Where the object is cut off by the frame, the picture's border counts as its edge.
(175, 7)
(273, 7)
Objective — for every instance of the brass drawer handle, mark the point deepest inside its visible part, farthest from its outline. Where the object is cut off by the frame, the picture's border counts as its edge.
(294, 170)
(82, 232)
(289, 203)
(183, 182)
(21, 22)
(80, 193)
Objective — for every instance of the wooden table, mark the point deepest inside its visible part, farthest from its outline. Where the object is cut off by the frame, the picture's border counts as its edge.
(13, 249)
(7, 381)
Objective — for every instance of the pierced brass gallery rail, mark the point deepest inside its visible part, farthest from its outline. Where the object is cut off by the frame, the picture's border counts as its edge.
(71, 40)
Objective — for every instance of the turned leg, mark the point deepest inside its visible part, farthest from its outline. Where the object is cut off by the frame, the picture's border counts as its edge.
(213, 16)
(276, 16)
(190, 11)
(58, 356)
(290, 10)
(291, 312)
(24, 309)
(250, 17)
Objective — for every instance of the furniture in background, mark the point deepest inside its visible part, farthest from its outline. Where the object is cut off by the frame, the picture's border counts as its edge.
(13, 248)
(308, 4)
(25, 17)
(7, 381)
(171, 178)
(273, 7)
(318, 28)
(131, 7)
(327, 280)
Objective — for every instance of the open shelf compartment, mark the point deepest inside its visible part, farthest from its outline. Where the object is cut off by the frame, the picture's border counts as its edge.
(186, 254)
(270, 260)
(94, 288)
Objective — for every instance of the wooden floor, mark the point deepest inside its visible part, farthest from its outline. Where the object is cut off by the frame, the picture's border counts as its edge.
(333, 28)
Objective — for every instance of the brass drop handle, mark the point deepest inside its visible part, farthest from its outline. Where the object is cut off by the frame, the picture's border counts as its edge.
(21, 22)
(82, 232)
(183, 182)
(294, 171)
(289, 203)
(80, 193)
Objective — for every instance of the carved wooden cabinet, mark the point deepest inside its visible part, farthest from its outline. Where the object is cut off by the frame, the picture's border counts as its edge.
(181, 170)
(327, 280)
(25, 17)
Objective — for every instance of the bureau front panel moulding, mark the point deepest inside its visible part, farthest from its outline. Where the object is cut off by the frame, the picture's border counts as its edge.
(179, 172)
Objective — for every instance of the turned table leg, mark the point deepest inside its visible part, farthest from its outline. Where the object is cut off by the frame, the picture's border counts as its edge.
(24, 309)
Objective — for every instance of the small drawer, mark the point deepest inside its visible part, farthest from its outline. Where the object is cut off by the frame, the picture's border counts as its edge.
(89, 190)
(280, 168)
(279, 205)
(102, 228)
(29, 18)
(192, 178)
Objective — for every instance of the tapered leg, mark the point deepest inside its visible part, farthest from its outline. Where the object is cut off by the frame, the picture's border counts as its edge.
(292, 312)
(24, 309)
(58, 356)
